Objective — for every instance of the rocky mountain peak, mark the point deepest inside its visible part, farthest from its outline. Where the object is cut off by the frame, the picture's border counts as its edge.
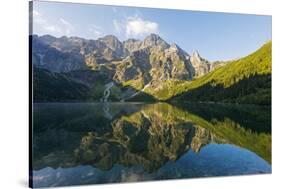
(48, 39)
(113, 43)
(110, 39)
(131, 40)
(132, 44)
(155, 40)
(200, 65)
(152, 57)
(176, 48)
(196, 55)
(153, 37)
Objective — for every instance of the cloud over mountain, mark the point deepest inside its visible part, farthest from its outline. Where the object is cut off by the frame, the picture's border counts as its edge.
(138, 27)
(135, 27)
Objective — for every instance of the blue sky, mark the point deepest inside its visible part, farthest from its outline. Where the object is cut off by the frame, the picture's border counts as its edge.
(216, 36)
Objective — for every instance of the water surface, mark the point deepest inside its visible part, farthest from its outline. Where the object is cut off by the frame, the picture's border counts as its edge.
(88, 143)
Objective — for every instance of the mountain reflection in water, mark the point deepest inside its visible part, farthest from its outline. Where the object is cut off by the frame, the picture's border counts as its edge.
(86, 143)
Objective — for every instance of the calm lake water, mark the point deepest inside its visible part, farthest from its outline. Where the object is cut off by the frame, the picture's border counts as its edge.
(88, 143)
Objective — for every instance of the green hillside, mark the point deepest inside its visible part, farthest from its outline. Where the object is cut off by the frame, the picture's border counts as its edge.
(246, 80)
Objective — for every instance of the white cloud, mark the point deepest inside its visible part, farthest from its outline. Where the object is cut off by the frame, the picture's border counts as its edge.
(138, 27)
(135, 26)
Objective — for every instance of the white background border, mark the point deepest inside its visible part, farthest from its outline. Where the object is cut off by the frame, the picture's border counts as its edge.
(14, 92)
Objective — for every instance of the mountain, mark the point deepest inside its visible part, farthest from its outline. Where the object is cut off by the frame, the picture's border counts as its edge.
(52, 58)
(113, 43)
(131, 65)
(201, 66)
(66, 54)
(153, 64)
(154, 40)
(149, 69)
(246, 80)
(132, 45)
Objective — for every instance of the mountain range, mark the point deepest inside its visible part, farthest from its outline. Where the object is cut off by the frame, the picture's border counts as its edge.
(73, 68)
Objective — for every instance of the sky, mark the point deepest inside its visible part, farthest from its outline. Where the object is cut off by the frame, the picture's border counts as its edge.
(216, 36)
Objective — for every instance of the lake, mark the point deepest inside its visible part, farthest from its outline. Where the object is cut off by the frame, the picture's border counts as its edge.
(93, 143)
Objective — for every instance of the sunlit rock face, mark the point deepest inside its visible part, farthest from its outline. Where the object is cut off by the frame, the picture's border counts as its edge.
(132, 45)
(153, 40)
(66, 54)
(117, 46)
(200, 65)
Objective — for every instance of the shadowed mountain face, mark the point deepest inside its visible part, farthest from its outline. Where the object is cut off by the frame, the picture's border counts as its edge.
(147, 140)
